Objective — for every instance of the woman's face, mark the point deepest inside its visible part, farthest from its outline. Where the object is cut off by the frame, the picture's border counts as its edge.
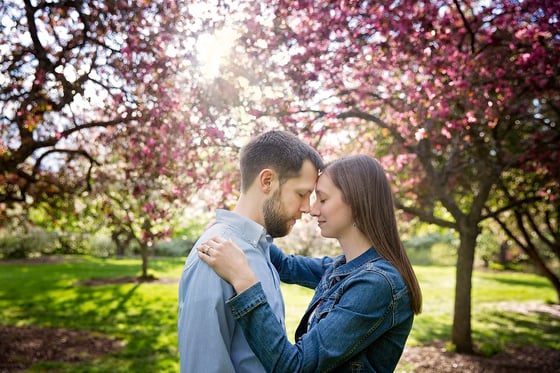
(333, 215)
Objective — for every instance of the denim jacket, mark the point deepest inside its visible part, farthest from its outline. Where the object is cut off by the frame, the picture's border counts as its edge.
(358, 320)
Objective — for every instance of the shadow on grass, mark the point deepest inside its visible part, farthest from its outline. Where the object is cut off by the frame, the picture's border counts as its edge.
(504, 329)
(428, 328)
(494, 330)
(141, 315)
(126, 312)
(519, 282)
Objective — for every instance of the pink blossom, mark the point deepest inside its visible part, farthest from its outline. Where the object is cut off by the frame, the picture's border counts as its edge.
(525, 57)
(420, 134)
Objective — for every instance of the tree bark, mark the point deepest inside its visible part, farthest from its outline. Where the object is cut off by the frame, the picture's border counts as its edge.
(543, 269)
(144, 253)
(461, 335)
(530, 248)
(147, 235)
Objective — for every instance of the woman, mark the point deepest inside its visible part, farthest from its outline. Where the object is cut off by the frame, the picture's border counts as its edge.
(365, 300)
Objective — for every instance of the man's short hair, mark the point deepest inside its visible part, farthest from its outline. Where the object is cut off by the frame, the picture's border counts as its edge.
(280, 151)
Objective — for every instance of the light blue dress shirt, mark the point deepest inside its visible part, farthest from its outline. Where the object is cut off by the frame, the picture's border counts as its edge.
(210, 340)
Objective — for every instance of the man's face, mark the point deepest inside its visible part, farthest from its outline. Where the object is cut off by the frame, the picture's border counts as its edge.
(276, 220)
(287, 203)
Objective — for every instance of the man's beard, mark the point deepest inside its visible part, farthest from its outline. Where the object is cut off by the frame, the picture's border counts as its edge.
(275, 220)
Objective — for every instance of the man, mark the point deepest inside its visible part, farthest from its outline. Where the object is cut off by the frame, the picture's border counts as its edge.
(278, 175)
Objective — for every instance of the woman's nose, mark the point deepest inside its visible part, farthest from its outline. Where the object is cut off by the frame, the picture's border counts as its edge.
(314, 210)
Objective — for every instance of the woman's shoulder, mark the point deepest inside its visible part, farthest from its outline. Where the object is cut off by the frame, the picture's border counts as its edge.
(382, 271)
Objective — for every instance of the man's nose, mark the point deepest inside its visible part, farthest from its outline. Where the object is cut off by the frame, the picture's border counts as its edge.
(305, 206)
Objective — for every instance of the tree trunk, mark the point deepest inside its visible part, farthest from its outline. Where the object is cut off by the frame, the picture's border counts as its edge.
(461, 332)
(503, 254)
(121, 243)
(543, 269)
(144, 253)
(146, 236)
(529, 247)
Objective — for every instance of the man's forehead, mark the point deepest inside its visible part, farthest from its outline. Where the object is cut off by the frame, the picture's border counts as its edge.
(302, 182)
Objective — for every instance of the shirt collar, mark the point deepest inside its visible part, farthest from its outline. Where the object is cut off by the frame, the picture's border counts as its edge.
(249, 230)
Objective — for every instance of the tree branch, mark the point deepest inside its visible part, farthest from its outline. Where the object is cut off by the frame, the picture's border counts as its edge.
(428, 218)
(467, 25)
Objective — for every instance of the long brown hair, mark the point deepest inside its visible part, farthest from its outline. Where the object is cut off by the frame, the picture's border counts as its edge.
(365, 188)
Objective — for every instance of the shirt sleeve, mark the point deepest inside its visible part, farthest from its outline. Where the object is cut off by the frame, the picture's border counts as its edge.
(347, 329)
(205, 325)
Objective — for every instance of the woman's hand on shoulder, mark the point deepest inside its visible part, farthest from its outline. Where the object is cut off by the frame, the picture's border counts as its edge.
(229, 262)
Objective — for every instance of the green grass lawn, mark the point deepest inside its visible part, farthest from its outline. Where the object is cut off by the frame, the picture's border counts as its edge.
(144, 315)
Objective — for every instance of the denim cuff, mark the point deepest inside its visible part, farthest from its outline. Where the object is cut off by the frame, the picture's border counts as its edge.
(243, 303)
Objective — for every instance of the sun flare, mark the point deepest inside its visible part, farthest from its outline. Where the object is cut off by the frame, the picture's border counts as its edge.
(213, 50)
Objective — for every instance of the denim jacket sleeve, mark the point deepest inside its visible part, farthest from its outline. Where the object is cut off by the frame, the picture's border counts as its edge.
(361, 316)
(297, 269)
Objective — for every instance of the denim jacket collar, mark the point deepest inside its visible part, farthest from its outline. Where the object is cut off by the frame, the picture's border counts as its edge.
(341, 268)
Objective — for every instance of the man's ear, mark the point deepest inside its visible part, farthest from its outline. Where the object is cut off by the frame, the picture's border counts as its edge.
(267, 178)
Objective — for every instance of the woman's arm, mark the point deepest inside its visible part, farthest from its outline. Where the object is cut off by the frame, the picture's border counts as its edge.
(350, 327)
(362, 314)
(297, 269)
(231, 264)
